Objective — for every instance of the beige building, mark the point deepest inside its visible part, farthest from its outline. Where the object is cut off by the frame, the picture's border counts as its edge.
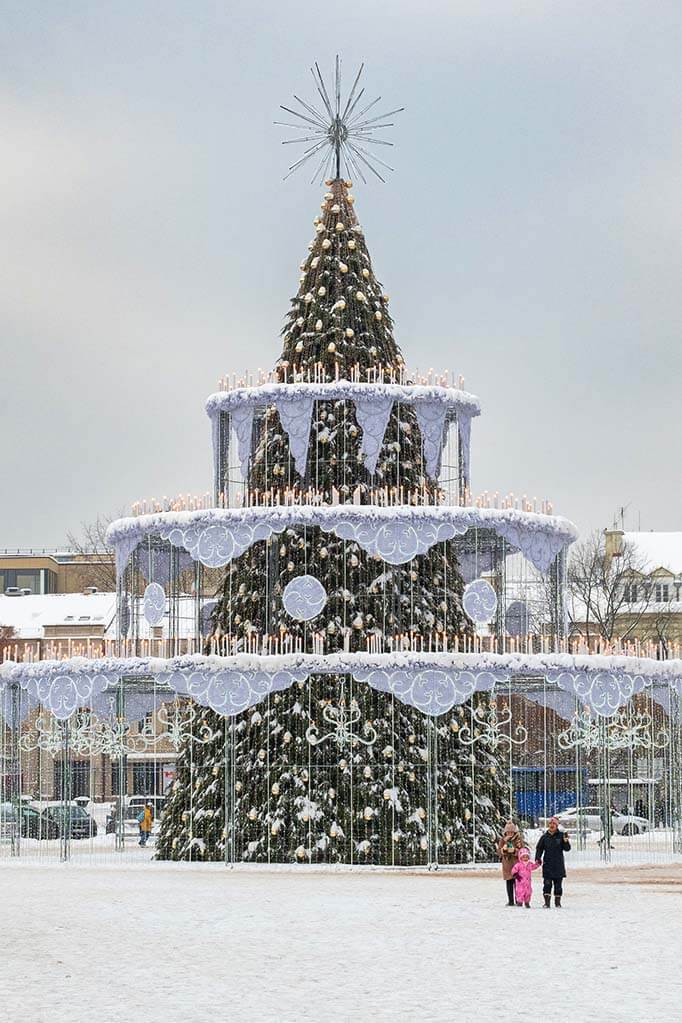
(39, 570)
(649, 605)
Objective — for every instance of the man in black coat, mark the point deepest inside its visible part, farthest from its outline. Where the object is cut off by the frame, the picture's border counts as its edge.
(550, 852)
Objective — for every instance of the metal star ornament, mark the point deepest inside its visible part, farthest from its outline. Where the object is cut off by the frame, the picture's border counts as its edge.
(338, 132)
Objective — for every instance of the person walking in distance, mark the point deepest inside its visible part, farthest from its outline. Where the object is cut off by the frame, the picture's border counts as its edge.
(550, 851)
(508, 845)
(145, 820)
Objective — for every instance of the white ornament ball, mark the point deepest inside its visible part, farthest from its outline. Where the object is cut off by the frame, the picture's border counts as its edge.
(253, 815)
(275, 789)
(322, 291)
(300, 853)
(340, 227)
(314, 262)
(331, 347)
(377, 315)
(360, 296)
(318, 325)
(336, 208)
(300, 321)
(326, 244)
(299, 346)
(365, 272)
(351, 243)
(350, 332)
(307, 297)
(343, 268)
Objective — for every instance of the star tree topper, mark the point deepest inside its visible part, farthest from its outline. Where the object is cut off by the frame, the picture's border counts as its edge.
(339, 132)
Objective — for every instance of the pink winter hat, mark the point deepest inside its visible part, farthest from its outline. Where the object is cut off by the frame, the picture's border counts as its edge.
(524, 852)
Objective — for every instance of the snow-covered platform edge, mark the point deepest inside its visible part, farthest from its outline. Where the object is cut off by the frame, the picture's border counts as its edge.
(432, 683)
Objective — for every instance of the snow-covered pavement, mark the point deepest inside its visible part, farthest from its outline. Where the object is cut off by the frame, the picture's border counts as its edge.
(160, 942)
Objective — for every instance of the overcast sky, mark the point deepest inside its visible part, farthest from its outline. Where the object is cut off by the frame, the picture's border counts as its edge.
(530, 237)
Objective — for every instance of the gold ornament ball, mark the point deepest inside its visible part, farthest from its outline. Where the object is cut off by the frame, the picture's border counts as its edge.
(365, 272)
(343, 268)
(351, 243)
(331, 347)
(326, 244)
(348, 183)
(350, 332)
(340, 227)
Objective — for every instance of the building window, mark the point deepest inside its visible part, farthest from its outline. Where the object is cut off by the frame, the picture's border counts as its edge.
(662, 592)
(148, 779)
(78, 779)
(118, 773)
(37, 580)
(630, 593)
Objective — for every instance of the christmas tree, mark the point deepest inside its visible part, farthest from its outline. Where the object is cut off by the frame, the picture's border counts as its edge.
(330, 769)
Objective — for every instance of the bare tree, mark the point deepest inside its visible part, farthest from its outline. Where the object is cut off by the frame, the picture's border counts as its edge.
(600, 588)
(98, 568)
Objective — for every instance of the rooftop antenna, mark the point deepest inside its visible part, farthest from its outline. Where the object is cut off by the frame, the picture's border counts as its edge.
(337, 130)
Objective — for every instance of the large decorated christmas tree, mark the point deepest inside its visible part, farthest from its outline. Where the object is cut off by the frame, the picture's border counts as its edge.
(333, 770)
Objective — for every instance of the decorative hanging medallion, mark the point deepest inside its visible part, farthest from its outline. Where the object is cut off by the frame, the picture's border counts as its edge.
(154, 603)
(480, 601)
(304, 598)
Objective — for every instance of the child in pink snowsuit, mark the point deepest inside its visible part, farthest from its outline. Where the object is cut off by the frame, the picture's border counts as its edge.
(523, 882)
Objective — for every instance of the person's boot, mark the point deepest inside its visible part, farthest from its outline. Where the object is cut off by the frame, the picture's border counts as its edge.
(557, 901)
(527, 905)
(548, 900)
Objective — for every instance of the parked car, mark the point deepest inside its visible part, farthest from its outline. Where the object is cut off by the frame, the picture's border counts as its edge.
(131, 810)
(69, 819)
(33, 824)
(137, 803)
(590, 818)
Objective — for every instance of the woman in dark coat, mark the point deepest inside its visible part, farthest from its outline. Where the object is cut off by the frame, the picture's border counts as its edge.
(550, 851)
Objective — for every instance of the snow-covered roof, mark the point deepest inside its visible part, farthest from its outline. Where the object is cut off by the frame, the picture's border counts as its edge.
(31, 614)
(661, 550)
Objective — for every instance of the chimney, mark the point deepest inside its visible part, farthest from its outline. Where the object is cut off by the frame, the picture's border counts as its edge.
(613, 544)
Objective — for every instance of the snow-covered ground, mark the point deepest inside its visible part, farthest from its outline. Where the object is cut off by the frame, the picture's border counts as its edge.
(161, 942)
